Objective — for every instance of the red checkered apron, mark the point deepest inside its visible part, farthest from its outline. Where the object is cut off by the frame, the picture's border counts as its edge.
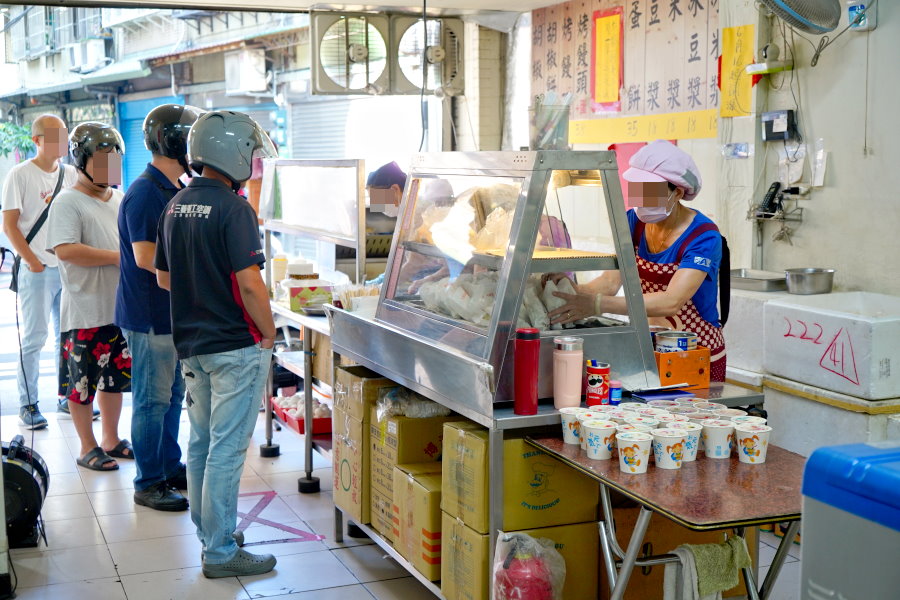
(655, 277)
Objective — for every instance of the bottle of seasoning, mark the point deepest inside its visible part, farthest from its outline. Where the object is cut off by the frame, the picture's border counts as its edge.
(526, 365)
(568, 369)
(597, 383)
(615, 392)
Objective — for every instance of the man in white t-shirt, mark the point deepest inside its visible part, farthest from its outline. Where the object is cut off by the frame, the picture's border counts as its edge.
(84, 235)
(27, 190)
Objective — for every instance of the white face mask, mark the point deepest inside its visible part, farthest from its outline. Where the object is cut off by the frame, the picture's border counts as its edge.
(655, 214)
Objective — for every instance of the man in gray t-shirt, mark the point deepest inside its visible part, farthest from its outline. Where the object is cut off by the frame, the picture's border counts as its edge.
(83, 233)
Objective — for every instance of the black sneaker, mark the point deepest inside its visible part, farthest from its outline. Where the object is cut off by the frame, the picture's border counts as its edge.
(62, 408)
(178, 481)
(161, 497)
(31, 417)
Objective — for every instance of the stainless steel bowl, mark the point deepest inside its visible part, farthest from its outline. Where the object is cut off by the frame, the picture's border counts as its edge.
(809, 281)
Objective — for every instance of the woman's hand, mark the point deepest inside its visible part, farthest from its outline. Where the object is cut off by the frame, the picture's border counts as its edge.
(577, 307)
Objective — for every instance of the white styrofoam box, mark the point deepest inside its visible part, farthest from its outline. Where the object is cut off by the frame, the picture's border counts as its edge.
(743, 377)
(801, 425)
(744, 340)
(893, 427)
(844, 342)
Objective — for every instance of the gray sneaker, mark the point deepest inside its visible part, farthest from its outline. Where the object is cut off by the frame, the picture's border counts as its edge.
(31, 417)
(243, 564)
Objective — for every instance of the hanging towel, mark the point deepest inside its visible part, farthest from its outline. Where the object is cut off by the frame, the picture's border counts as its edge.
(719, 565)
(680, 580)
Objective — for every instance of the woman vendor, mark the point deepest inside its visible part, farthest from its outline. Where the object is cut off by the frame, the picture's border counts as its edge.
(678, 254)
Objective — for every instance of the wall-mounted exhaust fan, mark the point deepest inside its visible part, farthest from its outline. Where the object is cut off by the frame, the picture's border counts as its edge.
(426, 54)
(350, 53)
(812, 16)
(358, 53)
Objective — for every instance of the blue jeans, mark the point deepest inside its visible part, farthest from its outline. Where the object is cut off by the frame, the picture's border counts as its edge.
(38, 303)
(225, 393)
(157, 389)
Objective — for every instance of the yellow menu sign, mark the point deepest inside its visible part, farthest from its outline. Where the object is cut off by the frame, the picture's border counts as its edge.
(737, 53)
(645, 128)
(607, 56)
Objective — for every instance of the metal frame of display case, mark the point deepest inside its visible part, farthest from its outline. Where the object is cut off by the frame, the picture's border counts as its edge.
(301, 363)
(468, 384)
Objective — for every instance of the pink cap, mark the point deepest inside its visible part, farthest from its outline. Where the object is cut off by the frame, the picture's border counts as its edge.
(663, 161)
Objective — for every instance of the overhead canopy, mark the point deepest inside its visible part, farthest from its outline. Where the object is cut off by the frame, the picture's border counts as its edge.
(304, 5)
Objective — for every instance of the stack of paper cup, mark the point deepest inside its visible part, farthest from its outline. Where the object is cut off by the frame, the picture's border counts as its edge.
(692, 433)
(600, 436)
(634, 451)
(752, 442)
(570, 426)
(635, 406)
(718, 438)
(668, 448)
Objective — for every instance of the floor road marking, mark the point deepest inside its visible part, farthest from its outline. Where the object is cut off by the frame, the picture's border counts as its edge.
(253, 517)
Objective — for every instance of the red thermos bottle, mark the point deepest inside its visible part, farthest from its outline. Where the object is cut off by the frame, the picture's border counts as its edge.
(526, 364)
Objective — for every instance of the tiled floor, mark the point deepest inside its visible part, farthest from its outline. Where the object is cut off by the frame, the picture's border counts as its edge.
(103, 547)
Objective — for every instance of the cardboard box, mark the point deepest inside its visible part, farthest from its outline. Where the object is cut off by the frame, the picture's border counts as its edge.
(663, 536)
(464, 561)
(355, 394)
(538, 490)
(417, 508)
(466, 566)
(356, 390)
(382, 515)
(401, 440)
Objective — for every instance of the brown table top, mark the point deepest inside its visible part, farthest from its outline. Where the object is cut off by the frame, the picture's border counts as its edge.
(705, 494)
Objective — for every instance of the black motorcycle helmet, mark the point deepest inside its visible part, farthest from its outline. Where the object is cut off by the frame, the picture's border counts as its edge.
(89, 138)
(166, 131)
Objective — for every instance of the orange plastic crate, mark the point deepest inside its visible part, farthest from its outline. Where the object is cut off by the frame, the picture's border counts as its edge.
(690, 367)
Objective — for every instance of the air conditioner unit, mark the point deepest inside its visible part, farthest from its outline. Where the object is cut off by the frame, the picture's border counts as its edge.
(350, 53)
(88, 56)
(245, 72)
(427, 54)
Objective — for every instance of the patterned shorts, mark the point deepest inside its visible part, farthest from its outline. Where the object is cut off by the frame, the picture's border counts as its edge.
(93, 360)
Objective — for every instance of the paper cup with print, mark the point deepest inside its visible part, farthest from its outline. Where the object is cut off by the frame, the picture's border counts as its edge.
(683, 409)
(668, 448)
(648, 421)
(634, 451)
(727, 413)
(600, 436)
(631, 406)
(752, 442)
(710, 406)
(692, 435)
(618, 416)
(747, 420)
(686, 400)
(602, 408)
(571, 428)
(664, 420)
(718, 438)
(585, 415)
(652, 412)
(664, 404)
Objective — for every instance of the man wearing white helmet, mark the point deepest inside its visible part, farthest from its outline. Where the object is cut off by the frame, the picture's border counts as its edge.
(678, 251)
(208, 255)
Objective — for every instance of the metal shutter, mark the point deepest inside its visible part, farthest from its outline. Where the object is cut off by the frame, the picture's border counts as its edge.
(131, 122)
(318, 128)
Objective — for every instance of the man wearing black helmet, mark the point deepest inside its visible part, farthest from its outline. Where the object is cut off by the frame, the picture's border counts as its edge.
(208, 254)
(142, 311)
(84, 237)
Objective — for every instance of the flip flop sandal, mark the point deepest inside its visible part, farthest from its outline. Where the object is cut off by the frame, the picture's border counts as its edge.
(96, 459)
(119, 450)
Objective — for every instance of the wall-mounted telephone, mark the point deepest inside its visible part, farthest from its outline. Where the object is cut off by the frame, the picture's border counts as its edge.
(767, 207)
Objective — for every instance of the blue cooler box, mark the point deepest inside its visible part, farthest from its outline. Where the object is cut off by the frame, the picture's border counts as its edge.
(851, 523)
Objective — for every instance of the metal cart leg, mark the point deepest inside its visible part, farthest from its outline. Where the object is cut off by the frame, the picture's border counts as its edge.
(748, 572)
(608, 559)
(269, 450)
(778, 560)
(631, 554)
(308, 484)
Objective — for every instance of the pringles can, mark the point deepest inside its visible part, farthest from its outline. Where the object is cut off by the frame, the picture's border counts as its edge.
(597, 383)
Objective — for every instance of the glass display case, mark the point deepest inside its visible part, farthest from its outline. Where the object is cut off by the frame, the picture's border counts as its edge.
(484, 242)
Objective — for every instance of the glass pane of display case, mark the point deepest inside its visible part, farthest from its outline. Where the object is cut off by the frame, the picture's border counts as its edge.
(451, 246)
(317, 196)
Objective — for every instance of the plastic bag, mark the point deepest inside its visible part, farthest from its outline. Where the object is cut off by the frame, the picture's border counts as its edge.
(402, 402)
(526, 568)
